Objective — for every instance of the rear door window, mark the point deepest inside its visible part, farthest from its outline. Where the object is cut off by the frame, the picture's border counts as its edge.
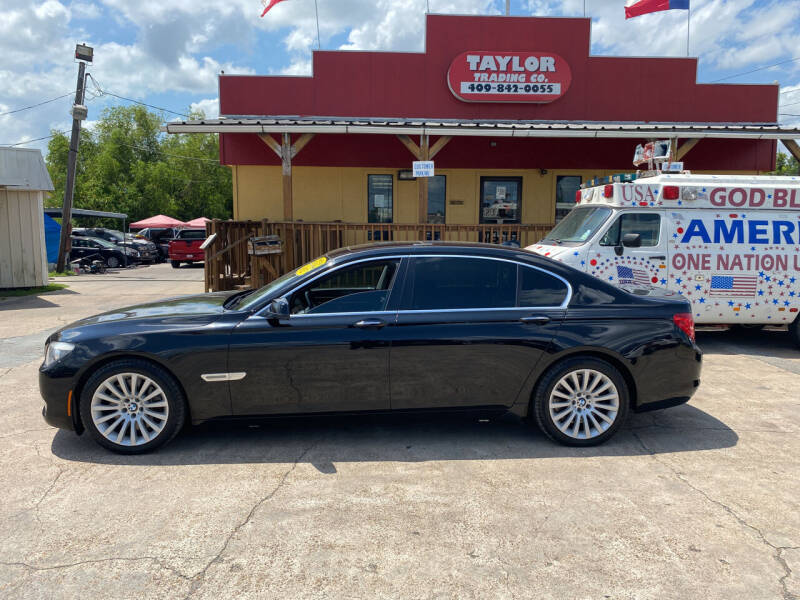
(451, 282)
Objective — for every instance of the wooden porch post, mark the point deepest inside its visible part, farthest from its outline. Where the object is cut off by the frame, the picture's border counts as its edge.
(422, 214)
(286, 165)
(286, 151)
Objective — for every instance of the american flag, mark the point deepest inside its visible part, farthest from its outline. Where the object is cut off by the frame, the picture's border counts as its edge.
(733, 285)
(630, 275)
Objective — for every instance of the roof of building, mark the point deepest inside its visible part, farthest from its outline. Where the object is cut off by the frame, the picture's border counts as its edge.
(82, 212)
(483, 127)
(24, 169)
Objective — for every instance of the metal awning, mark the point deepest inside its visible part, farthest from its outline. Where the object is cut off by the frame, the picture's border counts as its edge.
(492, 128)
(80, 212)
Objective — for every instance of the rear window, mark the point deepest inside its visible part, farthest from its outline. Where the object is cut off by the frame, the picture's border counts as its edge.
(192, 234)
(537, 288)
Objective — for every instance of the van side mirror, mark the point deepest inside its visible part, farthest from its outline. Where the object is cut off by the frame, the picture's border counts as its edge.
(632, 240)
(278, 309)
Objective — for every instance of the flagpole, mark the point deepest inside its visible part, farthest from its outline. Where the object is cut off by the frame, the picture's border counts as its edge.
(316, 12)
(688, 17)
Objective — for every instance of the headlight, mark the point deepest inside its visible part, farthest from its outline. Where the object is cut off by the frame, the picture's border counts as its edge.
(135, 253)
(55, 351)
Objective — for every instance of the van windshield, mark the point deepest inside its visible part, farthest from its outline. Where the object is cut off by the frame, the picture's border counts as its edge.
(579, 225)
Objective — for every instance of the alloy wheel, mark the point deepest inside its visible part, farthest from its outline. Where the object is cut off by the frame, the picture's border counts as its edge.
(129, 409)
(584, 403)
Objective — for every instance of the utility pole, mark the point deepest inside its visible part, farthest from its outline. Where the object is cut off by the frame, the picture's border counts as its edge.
(83, 54)
(508, 7)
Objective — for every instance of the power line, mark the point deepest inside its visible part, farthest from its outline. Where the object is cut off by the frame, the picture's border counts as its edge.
(783, 62)
(16, 110)
(107, 93)
(34, 140)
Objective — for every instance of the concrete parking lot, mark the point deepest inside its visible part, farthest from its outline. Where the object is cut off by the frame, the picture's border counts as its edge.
(699, 501)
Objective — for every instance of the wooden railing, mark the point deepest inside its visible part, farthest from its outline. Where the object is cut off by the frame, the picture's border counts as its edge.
(229, 265)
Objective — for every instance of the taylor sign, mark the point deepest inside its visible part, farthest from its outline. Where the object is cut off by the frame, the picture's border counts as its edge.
(508, 76)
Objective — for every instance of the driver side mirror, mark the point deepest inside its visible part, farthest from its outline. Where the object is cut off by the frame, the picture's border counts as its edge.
(632, 240)
(278, 309)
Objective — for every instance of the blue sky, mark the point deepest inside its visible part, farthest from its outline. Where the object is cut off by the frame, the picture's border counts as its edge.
(168, 53)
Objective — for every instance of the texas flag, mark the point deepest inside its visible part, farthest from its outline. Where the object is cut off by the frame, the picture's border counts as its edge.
(271, 3)
(642, 7)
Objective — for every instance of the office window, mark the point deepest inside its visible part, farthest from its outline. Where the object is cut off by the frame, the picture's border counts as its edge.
(500, 199)
(437, 186)
(379, 198)
(566, 186)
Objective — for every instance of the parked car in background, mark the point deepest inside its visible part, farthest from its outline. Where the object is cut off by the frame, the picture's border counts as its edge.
(147, 251)
(389, 327)
(113, 255)
(185, 248)
(160, 236)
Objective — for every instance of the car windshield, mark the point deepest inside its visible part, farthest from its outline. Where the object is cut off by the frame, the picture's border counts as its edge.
(252, 299)
(579, 225)
(117, 235)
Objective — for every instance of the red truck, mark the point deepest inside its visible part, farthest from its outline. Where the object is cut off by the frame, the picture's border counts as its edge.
(185, 247)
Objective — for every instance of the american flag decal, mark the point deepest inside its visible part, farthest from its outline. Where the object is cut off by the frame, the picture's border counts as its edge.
(631, 275)
(733, 285)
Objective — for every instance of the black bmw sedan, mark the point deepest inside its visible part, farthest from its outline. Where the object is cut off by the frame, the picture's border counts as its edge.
(387, 327)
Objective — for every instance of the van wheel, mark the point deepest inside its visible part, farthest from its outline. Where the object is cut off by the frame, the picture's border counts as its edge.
(132, 406)
(582, 401)
(794, 331)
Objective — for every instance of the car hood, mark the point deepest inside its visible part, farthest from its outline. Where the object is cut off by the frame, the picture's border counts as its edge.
(181, 306)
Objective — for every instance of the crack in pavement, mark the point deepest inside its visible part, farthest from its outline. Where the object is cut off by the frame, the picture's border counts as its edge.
(38, 568)
(777, 550)
(8, 435)
(196, 579)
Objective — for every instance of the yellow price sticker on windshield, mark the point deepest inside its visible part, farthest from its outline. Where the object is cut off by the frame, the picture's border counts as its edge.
(314, 264)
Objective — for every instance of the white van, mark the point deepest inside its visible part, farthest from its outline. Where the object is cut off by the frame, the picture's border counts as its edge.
(729, 243)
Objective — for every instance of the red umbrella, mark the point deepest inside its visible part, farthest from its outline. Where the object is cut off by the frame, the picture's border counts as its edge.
(198, 223)
(157, 221)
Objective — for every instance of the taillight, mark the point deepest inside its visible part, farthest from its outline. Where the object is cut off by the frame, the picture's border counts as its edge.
(685, 323)
(671, 192)
(577, 196)
(608, 191)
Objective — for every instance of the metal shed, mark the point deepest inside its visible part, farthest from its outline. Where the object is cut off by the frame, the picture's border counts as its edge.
(23, 181)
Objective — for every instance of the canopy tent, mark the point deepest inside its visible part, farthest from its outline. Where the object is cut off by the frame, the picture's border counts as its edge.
(198, 223)
(52, 235)
(157, 221)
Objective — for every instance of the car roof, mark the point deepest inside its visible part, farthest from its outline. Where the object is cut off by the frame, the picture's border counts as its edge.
(419, 247)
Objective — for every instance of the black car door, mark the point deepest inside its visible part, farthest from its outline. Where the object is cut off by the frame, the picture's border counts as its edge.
(78, 248)
(330, 354)
(470, 330)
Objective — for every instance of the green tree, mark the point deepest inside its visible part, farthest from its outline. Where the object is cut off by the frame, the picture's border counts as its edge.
(786, 165)
(126, 164)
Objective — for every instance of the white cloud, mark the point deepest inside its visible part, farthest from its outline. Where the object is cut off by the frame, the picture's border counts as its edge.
(208, 106)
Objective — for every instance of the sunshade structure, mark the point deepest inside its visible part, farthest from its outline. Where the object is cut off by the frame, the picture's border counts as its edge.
(198, 223)
(157, 221)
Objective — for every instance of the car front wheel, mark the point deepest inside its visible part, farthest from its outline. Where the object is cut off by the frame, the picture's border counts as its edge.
(132, 406)
(581, 402)
(112, 262)
(794, 331)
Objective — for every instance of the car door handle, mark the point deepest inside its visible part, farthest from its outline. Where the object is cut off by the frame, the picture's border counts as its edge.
(540, 320)
(369, 324)
(659, 257)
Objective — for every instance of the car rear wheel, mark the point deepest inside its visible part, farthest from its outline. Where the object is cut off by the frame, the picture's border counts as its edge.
(112, 262)
(132, 406)
(581, 402)
(175, 263)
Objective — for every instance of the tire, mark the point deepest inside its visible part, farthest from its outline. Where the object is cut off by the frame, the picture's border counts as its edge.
(175, 263)
(587, 407)
(123, 424)
(794, 331)
(113, 262)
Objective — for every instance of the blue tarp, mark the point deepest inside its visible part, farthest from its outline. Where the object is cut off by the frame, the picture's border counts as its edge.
(52, 236)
